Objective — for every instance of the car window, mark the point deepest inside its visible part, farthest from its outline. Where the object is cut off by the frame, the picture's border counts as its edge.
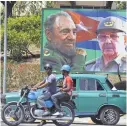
(74, 84)
(99, 87)
(110, 85)
(90, 84)
(60, 83)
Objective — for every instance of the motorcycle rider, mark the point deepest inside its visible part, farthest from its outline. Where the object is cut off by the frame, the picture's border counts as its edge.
(65, 92)
(49, 88)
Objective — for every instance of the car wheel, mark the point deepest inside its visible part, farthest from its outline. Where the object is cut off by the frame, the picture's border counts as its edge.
(109, 115)
(96, 120)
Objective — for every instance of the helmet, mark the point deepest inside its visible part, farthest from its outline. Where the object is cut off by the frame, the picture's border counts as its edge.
(47, 66)
(66, 68)
(111, 23)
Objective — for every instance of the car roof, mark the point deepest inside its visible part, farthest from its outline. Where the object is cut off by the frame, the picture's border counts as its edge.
(13, 94)
(94, 76)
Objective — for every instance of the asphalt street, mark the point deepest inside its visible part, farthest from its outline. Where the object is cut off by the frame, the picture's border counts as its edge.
(77, 122)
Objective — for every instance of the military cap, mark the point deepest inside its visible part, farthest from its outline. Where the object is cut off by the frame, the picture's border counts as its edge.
(111, 23)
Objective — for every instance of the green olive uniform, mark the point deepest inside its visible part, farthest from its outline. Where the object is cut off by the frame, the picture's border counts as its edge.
(57, 59)
(117, 65)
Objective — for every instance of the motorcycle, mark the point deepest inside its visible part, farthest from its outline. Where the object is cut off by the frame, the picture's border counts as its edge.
(14, 113)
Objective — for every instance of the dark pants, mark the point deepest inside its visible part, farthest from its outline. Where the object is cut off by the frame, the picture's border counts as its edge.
(60, 96)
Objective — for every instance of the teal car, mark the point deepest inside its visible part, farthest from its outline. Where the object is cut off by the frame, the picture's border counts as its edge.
(94, 97)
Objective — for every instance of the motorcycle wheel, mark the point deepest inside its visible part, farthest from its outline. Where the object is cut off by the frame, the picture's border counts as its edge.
(12, 114)
(68, 112)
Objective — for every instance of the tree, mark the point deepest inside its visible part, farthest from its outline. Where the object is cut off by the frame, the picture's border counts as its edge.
(73, 4)
(51, 4)
(10, 5)
(22, 32)
(109, 4)
(121, 5)
(25, 8)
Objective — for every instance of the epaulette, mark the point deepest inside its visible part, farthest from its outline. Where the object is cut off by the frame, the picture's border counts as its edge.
(81, 51)
(124, 58)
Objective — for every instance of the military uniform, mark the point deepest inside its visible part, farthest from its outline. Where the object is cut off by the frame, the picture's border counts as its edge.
(118, 64)
(57, 59)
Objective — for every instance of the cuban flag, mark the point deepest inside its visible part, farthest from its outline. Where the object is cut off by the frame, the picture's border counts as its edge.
(87, 22)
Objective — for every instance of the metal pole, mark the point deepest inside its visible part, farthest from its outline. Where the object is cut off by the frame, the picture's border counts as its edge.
(5, 48)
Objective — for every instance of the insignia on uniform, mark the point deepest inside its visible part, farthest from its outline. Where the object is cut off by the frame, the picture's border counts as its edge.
(81, 51)
(109, 23)
(124, 58)
(46, 53)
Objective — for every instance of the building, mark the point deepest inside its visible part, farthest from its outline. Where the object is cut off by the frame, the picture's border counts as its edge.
(86, 4)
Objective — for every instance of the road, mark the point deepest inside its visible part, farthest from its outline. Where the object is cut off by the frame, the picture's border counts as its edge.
(77, 122)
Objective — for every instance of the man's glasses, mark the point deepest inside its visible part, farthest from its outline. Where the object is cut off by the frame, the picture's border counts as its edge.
(113, 36)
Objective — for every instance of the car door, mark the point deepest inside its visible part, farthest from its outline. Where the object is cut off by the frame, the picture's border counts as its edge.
(75, 92)
(91, 95)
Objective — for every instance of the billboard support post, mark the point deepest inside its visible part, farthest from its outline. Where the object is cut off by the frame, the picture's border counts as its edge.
(5, 48)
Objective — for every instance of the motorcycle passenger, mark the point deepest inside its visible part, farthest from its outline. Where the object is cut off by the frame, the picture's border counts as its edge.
(49, 88)
(65, 92)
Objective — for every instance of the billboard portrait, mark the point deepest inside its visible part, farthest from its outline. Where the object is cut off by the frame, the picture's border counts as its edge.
(89, 40)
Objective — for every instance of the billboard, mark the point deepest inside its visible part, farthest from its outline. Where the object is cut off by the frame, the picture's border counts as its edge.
(89, 40)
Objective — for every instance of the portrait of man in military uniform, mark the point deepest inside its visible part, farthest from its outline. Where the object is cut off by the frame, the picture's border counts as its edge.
(110, 35)
(60, 48)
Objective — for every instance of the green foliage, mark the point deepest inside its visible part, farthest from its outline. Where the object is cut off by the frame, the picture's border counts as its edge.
(51, 4)
(1, 13)
(121, 5)
(27, 8)
(21, 33)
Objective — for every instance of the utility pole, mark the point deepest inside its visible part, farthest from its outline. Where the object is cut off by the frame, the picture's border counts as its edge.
(5, 48)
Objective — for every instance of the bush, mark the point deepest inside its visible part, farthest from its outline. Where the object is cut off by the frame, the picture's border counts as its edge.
(22, 74)
(21, 33)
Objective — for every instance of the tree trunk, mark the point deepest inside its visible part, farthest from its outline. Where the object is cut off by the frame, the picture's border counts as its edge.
(109, 4)
(10, 5)
(73, 4)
